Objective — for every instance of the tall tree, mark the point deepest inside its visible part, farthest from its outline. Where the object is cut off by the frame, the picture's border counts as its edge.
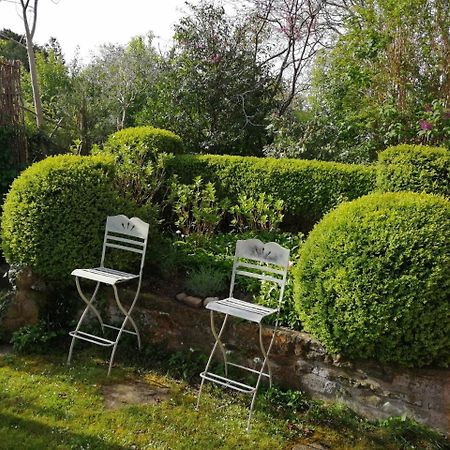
(211, 90)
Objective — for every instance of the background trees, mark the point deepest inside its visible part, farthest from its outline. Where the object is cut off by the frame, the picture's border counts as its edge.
(326, 79)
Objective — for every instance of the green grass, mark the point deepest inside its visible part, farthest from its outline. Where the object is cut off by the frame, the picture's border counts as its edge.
(46, 405)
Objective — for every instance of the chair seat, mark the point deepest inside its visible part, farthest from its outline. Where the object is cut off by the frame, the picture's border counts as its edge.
(240, 308)
(104, 275)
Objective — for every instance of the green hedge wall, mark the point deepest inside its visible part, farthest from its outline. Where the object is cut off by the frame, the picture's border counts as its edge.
(308, 188)
(373, 279)
(415, 168)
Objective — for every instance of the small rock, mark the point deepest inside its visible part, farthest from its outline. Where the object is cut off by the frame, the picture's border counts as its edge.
(181, 296)
(194, 302)
(209, 300)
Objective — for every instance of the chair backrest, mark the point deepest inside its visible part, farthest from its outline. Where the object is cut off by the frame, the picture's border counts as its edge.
(126, 234)
(264, 261)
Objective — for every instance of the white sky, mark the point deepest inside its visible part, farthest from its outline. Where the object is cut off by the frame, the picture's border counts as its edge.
(90, 23)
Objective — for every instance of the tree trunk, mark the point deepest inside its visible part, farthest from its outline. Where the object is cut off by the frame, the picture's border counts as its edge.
(33, 73)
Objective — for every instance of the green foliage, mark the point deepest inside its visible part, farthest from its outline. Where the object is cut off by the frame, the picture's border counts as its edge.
(373, 280)
(144, 143)
(212, 89)
(195, 206)
(33, 338)
(54, 215)
(206, 282)
(414, 168)
(370, 90)
(141, 155)
(308, 189)
(257, 213)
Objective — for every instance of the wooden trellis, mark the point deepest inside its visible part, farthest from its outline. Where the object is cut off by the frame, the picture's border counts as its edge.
(11, 109)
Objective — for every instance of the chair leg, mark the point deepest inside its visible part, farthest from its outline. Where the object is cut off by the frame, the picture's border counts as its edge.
(216, 343)
(127, 315)
(264, 363)
(89, 306)
(219, 342)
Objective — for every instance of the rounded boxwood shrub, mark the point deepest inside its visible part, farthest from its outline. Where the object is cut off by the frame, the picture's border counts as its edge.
(141, 155)
(415, 168)
(142, 143)
(54, 214)
(373, 279)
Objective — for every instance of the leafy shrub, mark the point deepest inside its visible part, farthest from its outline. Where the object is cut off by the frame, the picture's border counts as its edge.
(146, 139)
(54, 215)
(33, 338)
(141, 155)
(308, 188)
(195, 206)
(414, 168)
(373, 279)
(257, 213)
(206, 281)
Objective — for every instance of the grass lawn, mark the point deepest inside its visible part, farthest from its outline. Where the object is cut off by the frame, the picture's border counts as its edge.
(46, 405)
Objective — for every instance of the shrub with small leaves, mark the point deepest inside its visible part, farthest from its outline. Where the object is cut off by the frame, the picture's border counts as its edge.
(54, 215)
(415, 168)
(308, 189)
(373, 279)
(141, 155)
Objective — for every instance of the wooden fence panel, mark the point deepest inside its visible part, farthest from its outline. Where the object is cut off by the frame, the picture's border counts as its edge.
(11, 108)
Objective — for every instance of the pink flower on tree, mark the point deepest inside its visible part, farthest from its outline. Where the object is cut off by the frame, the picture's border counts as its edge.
(425, 125)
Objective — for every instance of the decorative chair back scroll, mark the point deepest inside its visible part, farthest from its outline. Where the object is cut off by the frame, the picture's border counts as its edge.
(266, 262)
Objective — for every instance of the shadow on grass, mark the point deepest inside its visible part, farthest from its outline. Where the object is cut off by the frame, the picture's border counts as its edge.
(21, 433)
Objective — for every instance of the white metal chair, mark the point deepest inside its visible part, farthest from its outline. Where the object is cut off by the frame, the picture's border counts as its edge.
(268, 262)
(124, 234)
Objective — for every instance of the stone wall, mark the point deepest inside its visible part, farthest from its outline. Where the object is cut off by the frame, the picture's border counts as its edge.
(298, 361)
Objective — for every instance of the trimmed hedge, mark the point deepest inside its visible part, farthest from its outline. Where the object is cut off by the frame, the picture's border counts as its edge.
(415, 168)
(142, 143)
(373, 279)
(308, 188)
(54, 215)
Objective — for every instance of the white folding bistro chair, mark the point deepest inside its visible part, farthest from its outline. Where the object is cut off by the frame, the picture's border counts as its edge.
(124, 234)
(268, 262)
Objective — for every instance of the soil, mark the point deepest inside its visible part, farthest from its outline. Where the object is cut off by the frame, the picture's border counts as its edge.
(133, 393)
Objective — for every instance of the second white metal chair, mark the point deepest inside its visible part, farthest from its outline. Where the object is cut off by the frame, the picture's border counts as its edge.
(266, 262)
(123, 234)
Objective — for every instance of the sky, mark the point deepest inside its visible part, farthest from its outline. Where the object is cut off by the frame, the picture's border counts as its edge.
(90, 23)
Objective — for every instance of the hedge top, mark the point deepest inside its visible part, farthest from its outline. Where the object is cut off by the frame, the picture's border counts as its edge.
(308, 188)
(415, 168)
(150, 140)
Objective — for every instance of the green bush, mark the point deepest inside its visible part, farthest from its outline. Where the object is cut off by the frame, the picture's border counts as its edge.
(147, 141)
(373, 279)
(415, 168)
(141, 155)
(54, 215)
(308, 188)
